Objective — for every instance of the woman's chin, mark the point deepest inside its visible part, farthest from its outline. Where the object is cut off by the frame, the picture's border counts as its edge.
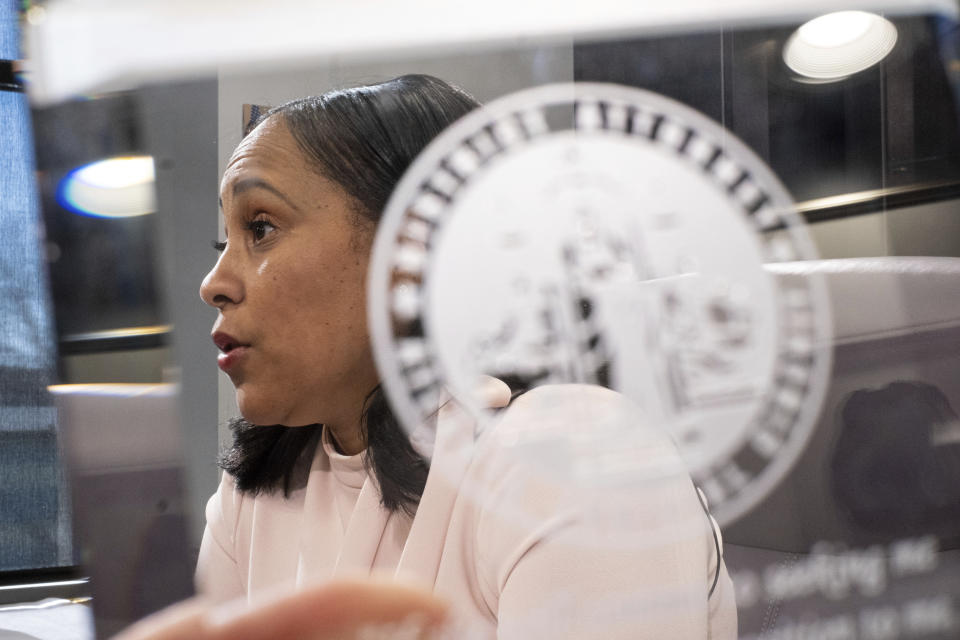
(264, 413)
(256, 411)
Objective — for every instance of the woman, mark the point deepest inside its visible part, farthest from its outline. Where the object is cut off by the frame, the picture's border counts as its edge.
(302, 504)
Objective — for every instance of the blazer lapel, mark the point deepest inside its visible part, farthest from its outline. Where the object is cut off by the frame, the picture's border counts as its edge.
(453, 450)
(363, 534)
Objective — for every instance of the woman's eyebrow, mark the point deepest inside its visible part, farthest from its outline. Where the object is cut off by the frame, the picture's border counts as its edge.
(240, 186)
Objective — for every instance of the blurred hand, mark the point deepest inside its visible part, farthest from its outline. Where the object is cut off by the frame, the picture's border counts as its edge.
(355, 610)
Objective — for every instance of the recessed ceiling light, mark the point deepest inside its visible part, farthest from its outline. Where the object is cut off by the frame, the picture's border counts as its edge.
(112, 188)
(837, 45)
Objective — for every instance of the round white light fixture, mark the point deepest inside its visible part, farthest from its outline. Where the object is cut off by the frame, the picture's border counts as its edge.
(837, 45)
(112, 188)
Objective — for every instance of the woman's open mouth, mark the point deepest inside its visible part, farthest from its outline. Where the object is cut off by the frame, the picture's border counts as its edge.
(232, 350)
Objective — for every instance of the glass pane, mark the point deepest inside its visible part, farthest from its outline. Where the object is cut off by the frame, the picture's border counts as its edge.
(850, 453)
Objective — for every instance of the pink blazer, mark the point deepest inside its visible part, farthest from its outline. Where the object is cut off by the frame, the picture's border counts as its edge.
(597, 534)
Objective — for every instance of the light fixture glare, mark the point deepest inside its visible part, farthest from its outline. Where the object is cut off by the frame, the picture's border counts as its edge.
(119, 187)
(837, 45)
(116, 173)
(836, 29)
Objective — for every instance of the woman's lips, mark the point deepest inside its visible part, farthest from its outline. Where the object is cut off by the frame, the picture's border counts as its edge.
(230, 359)
(232, 350)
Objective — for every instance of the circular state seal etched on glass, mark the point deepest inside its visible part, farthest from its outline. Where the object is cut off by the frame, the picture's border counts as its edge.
(606, 235)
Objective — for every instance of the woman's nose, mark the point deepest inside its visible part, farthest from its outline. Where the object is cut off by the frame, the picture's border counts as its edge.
(221, 287)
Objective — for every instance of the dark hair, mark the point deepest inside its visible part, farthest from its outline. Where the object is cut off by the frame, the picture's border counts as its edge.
(362, 138)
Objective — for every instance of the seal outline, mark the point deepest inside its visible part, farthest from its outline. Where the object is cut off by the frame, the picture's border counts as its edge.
(725, 483)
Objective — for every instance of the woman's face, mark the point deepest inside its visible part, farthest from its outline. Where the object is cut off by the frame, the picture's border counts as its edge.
(289, 288)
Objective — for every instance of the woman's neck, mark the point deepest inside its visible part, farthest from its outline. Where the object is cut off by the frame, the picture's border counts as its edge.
(349, 441)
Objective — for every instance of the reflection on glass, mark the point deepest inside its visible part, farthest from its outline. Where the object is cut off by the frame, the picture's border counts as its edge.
(113, 188)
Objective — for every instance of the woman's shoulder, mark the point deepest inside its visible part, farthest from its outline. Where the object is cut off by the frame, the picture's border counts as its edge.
(562, 410)
(577, 457)
(579, 434)
(575, 485)
(567, 403)
(224, 507)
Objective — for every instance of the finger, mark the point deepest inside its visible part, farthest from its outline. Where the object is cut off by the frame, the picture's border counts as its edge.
(338, 611)
(181, 621)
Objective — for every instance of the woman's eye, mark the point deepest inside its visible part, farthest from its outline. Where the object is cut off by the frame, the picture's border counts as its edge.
(260, 229)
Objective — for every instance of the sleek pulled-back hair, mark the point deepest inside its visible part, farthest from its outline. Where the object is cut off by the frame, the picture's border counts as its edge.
(362, 138)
